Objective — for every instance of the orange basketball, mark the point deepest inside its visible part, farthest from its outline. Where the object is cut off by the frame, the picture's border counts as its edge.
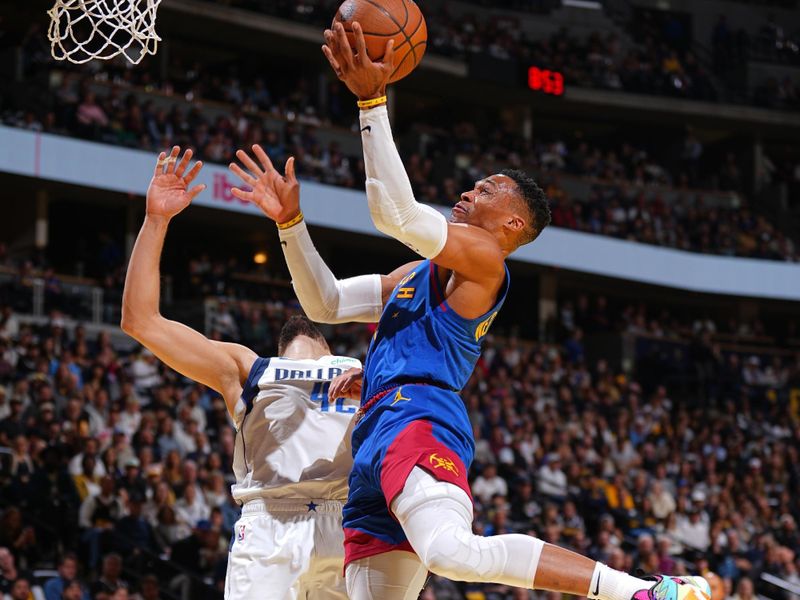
(383, 20)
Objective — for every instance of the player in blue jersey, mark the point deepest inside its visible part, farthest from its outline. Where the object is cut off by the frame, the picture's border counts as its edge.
(409, 509)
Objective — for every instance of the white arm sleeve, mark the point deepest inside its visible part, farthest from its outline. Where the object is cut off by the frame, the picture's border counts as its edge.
(394, 210)
(325, 298)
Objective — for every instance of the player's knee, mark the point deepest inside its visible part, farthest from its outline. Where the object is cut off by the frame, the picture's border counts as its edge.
(446, 566)
(444, 558)
(456, 553)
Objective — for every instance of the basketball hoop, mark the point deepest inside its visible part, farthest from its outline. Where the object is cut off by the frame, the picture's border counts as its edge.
(82, 30)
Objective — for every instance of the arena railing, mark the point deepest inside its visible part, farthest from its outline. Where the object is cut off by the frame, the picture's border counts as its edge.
(782, 584)
(84, 302)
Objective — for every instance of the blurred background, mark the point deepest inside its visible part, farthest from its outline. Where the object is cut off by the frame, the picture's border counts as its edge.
(638, 399)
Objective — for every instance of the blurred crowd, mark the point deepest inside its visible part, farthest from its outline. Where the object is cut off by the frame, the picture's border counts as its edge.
(217, 114)
(732, 46)
(114, 457)
(661, 61)
(684, 222)
(216, 111)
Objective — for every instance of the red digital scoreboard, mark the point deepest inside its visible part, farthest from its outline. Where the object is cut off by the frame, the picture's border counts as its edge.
(546, 81)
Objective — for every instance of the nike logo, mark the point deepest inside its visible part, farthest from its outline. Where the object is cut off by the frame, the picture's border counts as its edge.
(597, 587)
(368, 129)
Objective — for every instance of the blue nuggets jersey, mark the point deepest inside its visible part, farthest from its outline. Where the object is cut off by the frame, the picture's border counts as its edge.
(420, 339)
(420, 358)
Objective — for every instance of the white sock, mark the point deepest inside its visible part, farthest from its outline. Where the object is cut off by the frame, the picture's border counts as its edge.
(608, 584)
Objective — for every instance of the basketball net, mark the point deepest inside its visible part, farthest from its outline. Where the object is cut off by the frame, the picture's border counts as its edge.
(82, 30)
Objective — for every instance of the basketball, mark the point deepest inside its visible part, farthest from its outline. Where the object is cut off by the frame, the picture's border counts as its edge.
(383, 20)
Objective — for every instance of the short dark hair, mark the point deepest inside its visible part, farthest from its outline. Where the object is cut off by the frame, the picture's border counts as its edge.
(535, 201)
(298, 325)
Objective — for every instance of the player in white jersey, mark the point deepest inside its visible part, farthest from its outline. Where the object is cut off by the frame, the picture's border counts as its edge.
(292, 455)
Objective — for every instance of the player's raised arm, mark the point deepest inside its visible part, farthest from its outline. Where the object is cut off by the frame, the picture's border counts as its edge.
(222, 367)
(468, 250)
(325, 298)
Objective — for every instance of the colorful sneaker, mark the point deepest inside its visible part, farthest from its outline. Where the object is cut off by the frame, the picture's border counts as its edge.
(675, 588)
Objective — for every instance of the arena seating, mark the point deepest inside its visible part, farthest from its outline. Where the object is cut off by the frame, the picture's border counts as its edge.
(642, 428)
(613, 464)
(622, 194)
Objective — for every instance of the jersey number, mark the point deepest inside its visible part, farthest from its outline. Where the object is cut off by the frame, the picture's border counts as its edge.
(320, 394)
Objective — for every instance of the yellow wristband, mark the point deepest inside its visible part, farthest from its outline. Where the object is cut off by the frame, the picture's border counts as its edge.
(291, 223)
(373, 102)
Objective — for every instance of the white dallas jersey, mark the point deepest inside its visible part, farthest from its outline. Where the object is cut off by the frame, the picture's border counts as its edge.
(292, 440)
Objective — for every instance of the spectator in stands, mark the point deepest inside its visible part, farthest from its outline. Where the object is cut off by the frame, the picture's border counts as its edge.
(91, 116)
(744, 590)
(22, 467)
(132, 481)
(197, 554)
(489, 484)
(552, 479)
(191, 508)
(59, 586)
(692, 528)
(73, 590)
(145, 372)
(76, 463)
(168, 530)
(133, 536)
(87, 483)
(9, 573)
(645, 559)
(97, 517)
(529, 401)
(661, 501)
(148, 589)
(131, 417)
(18, 537)
(12, 426)
(21, 590)
(110, 579)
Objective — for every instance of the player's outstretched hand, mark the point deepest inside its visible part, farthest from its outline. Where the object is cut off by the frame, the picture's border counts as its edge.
(276, 195)
(347, 385)
(365, 78)
(169, 191)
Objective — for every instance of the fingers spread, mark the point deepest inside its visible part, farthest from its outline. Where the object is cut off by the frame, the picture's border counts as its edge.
(195, 191)
(333, 62)
(265, 161)
(160, 163)
(290, 177)
(344, 54)
(192, 172)
(187, 156)
(246, 196)
(249, 163)
(243, 175)
(172, 159)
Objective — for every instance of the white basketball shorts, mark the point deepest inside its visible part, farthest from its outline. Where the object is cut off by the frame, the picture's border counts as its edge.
(287, 550)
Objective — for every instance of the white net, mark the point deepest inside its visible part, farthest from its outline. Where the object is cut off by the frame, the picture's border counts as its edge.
(82, 30)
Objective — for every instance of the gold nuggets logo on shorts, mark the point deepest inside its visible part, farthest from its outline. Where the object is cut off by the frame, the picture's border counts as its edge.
(439, 462)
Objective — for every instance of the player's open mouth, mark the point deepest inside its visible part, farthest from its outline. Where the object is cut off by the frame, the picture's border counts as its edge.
(458, 209)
